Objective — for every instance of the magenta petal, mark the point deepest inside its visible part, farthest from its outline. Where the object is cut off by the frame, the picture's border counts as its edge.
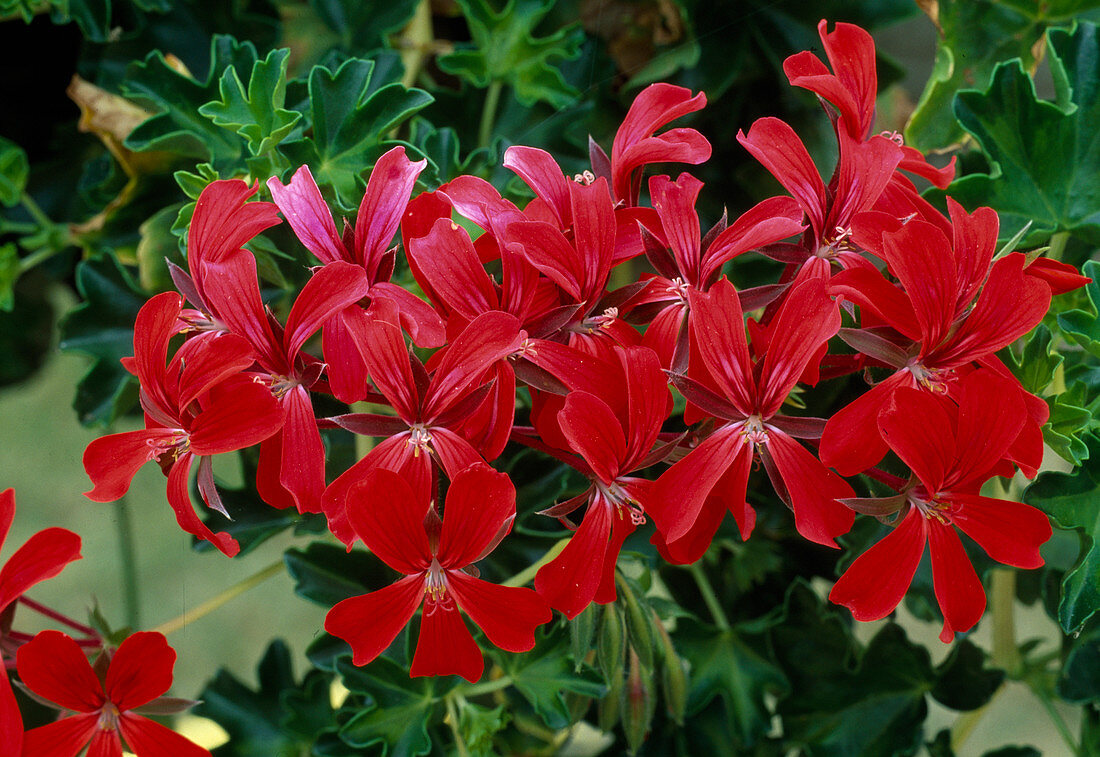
(877, 580)
(330, 290)
(391, 181)
(508, 615)
(569, 581)
(958, 590)
(543, 174)
(369, 623)
(307, 213)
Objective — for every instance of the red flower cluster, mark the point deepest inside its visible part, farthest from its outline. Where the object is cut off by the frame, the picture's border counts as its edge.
(924, 297)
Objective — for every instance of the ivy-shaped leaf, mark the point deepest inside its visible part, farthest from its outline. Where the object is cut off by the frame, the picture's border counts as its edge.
(962, 680)
(351, 112)
(1072, 500)
(364, 26)
(327, 574)
(504, 49)
(103, 327)
(545, 673)
(1045, 156)
(258, 114)
(1079, 325)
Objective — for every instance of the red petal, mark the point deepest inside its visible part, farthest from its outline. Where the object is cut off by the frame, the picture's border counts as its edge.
(347, 371)
(544, 247)
(371, 622)
(921, 257)
(863, 172)
(43, 556)
(867, 288)
(814, 490)
(330, 290)
(877, 580)
(991, 416)
(302, 468)
(489, 337)
(7, 512)
(223, 222)
(64, 738)
(149, 739)
(180, 499)
(958, 590)
(768, 221)
(387, 358)
(11, 722)
(389, 518)
(778, 148)
(208, 360)
(648, 402)
(594, 432)
(445, 646)
(918, 428)
(391, 181)
(105, 743)
(111, 462)
(156, 323)
(233, 291)
(543, 174)
(140, 671)
(54, 667)
(718, 332)
(974, 241)
(480, 501)
(449, 262)
(851, 442)
(418, 319)
(622, 526)
(675, 204)
(241, 413)
(569, 581)
(1010, 532)
(508, 615)
(308, 214)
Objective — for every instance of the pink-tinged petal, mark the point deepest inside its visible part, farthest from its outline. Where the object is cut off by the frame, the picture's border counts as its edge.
(864, 170)
(179, 497)
(140, 671)
(851, 442)
(974, 241)
(778, 148)
(478, 200)
(387, 358)
(915, 163)
(875, 295)
(675, 204)
(369, 623)
(569, 581)
(806, 320)
(490, 337)
(150, 739)
(241, 413)
(302, 468)
(43, 556)
(958, 590)
(7, 512)
(594, 432)
(223, 222)
(233, 291)
(445, 646)
(54, 667)
(1009, 532)
(681, 490)
(391, 181)
(448, 260)
(207, 361)
(112, 461)
(480, 503)
(1010, 305)
(545, 248)
(718, 333)
(307, 213)
(991, 416)
(814, 490)
(918, 428)
(388, 516)
(507, 615)
(11, 722)
(330, 290)
(63, 738)
(920, 256)
(347, 371)
(877, 580)
(543, 174)
(418, 319)
(766, 222)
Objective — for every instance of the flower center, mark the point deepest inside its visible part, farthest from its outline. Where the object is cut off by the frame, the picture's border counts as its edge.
(585, 178)
(167, 451)
(753, 431)
(934, 380)
(838, 242)
(108, 717)
(894, 137)
(602, 321)
(678, 288)
(420, 437)
(436, 596)
(930, 507)
(625, 505)
(280, 385)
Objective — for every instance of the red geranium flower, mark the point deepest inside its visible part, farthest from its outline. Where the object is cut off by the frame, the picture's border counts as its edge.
(407, 534)
(104, 711)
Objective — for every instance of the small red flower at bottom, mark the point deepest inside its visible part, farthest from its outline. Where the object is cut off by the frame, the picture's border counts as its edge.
(406, 534)
(103, 711)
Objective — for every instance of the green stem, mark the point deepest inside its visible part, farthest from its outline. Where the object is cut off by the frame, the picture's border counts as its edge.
(41, 255)
(36, 212)
(478, 689)
(127, 549)
(210, 605)
(416, 42)
(528, 573)
(452, 721)
(489, 113)
(709, 597)
(1057, 719)
(1057, 245)
(1006, 654)
(964, 724)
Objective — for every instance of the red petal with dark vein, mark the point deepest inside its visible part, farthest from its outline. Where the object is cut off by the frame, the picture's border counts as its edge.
(991, 416)
(778, 148)
(449, 262)
(919, 429)
(43, 556)
(594, 432)
(330, 290)
(569, 581)
(766, 222)
(672, 146)
(233, 291)
(543, 174)
(445, 646)
(369, 623)
(718, 333)
(921, 257)
(387, 358)
(958, 590)
(241, 413)
(63, 738)
(675, 204)
(480, 501)
(388, 516)
(1009, 532)
(814, 490)
(150, 739)
(205, 361)
(54, 667)
(112, 461)
(877, 580)
(868, 288)
(140, 671)
(347, 372)
(490, 337)
(974, 241)
(302, 467)
(179, 497)
(418, 319)
(544, 247)
(223, 222)
(508, 615)
(621, 527)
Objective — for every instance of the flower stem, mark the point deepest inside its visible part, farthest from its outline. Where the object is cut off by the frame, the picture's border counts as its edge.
(41, 609)
(127, 550)
(1005, 653)
(709, 597)
(489, 113)
(1057, 245)
(1056, 718)
(452, 721)
(528, 573)
(210, 605)
(477, 689)
(416, 42)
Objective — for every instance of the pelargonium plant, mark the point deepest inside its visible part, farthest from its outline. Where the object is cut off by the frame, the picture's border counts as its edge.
(578, 466)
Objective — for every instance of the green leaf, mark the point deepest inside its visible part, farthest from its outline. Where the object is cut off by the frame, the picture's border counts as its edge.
(545, 673)
(13, 172)
(1045, 156)
(723, 665)
(103, 327)
(399, 710)
(9, 272)
(179, 127)
(1038, 364)
(257, 115)
(962, 680)
(478, 725)
(1080, 677)
(1080, 325)
(1069, 423)
(327, 574)
(504, 49)
(364, 26)
(1072, 500)
(279, 717)
(352, 110)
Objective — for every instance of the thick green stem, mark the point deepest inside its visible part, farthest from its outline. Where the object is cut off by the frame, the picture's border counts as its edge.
(416, 42)
(452, 721)
(41, 255)
(709, 597)
(127, 550)
(1057, 245)
(527, 574)
(478, 689)
(489, 113)
(210, 605)
(1006, 654)
(1057, 719)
